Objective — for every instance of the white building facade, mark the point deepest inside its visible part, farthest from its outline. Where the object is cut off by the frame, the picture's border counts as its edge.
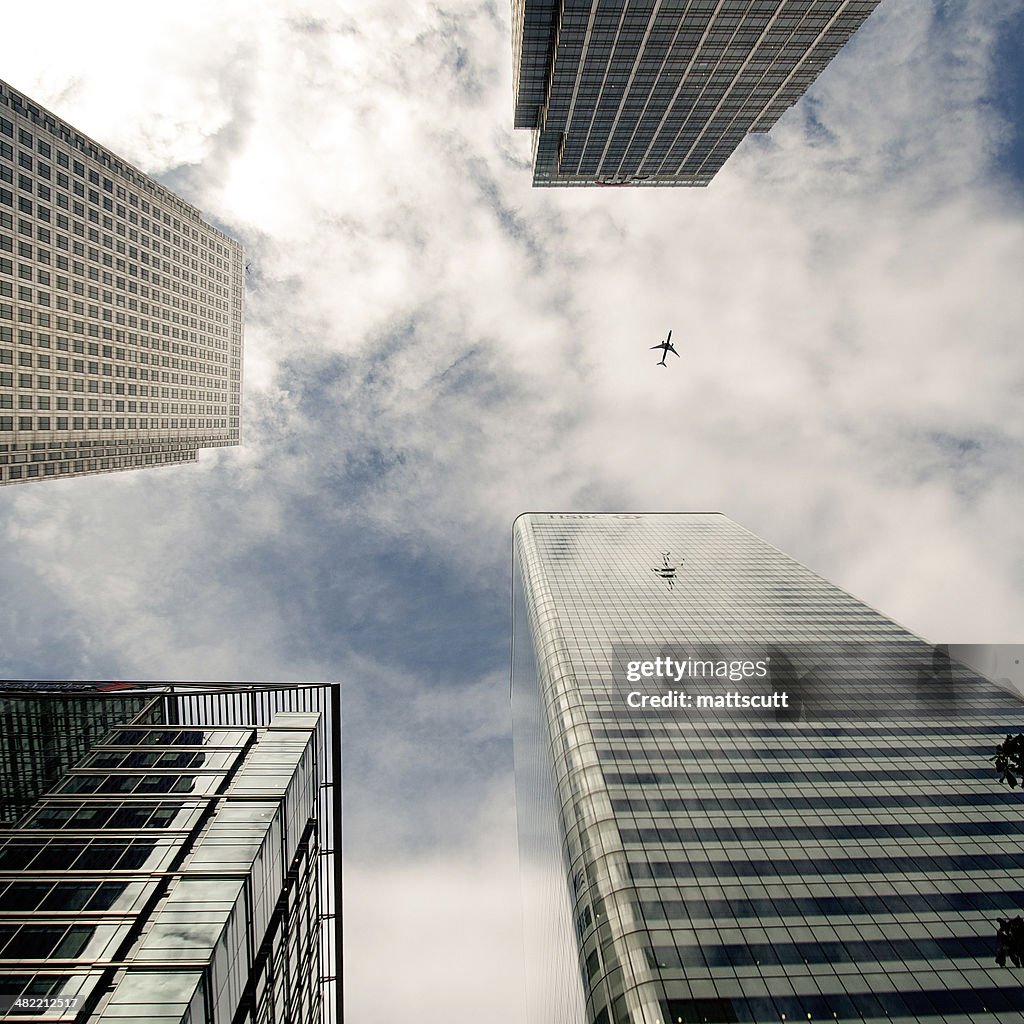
(121, 310)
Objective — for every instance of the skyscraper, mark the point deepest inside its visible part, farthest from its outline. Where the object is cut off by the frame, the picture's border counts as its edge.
(660, 92)
(187, 868)
(120, 310)
(841, 852)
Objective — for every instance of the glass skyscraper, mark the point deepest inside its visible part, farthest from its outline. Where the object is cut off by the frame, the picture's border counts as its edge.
(120, 310)
(660, 92)
(743, 794)
(187, 868)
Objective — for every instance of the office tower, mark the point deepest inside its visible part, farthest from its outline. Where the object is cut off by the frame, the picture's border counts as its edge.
(646, 92)
(120, 310)
(186, 869)
(843, 854)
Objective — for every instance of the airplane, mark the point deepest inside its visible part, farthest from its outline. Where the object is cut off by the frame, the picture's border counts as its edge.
(666, 346)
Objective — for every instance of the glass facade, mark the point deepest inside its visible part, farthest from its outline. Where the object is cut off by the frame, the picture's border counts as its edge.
(660, 92)
(120, 310)
(743, 794)
(185, 868)
(42, 737)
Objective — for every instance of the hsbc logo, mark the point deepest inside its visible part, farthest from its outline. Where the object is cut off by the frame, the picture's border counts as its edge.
(582, 515)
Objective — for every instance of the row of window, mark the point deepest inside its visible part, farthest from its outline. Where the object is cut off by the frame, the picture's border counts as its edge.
(137, 784)
(764, 954)
(718, 754)
(44, 402)
(785, 832)
(62, 896)
(32, 471)
(98, 854)
(807, 732)
(42, 450)
(9, 423)
(772, 801)
(816, 867)
(41, 942)
(943, 1002)
(831, 906)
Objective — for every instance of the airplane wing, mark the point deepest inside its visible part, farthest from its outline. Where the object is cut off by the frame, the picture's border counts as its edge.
(657, 346)
(672, 349)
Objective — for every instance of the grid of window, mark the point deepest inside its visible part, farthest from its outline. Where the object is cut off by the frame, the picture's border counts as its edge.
(120, 310)
(41, 739)
(644, 93)
(847, 863)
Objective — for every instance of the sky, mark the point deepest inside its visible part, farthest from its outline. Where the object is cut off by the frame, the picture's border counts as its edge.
(432, 347)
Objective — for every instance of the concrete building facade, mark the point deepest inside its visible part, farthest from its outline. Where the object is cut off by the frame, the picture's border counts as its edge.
(121, 310)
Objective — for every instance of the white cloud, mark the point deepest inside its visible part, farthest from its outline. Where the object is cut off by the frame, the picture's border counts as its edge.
(433, 346)
(454, 957)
